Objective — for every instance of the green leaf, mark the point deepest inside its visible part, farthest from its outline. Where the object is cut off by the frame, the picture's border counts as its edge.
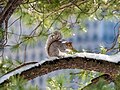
(15, 47)
(103, 50)
(117, 82)
(1, 33)
(29, 40)
(67, 32)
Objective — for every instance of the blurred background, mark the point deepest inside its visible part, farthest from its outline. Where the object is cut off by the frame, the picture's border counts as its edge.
(91, 25)
(96, 36)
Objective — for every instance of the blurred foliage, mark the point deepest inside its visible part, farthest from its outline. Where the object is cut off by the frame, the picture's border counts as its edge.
(103, 50)
(69, 16)
(78, 81)
(15, 82)
(100, 85)
(1, 34)
(117, 82)
(82, 9)
(56, 83)
(15, 47)
(6, 65)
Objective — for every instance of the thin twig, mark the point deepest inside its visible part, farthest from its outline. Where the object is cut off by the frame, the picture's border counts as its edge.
(25, 53)
(115, 39)
(14, 22)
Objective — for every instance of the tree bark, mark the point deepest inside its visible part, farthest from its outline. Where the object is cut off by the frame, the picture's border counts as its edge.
(9, 9)
(1, 31)
(73, 63)
(48, 66)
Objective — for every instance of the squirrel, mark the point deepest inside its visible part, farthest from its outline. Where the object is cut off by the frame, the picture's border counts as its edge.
(56, 44)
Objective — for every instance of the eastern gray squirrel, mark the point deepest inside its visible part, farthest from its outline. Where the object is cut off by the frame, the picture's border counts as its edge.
(56, 44)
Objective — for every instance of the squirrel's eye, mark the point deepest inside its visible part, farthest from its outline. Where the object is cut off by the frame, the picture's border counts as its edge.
(52, 36)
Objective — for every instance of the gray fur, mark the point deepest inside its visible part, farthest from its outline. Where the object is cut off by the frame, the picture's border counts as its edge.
(54, 44)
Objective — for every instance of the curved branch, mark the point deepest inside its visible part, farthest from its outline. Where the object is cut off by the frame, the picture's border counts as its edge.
(86, 61)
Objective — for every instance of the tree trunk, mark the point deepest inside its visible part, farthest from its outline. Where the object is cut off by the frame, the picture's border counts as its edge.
(1, 30)
(9, 9)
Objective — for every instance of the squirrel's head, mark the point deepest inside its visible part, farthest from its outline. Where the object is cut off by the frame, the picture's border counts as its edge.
(57, 35)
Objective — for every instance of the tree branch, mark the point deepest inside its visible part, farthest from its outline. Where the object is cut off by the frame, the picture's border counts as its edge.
(31, 70)
(72, 63)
